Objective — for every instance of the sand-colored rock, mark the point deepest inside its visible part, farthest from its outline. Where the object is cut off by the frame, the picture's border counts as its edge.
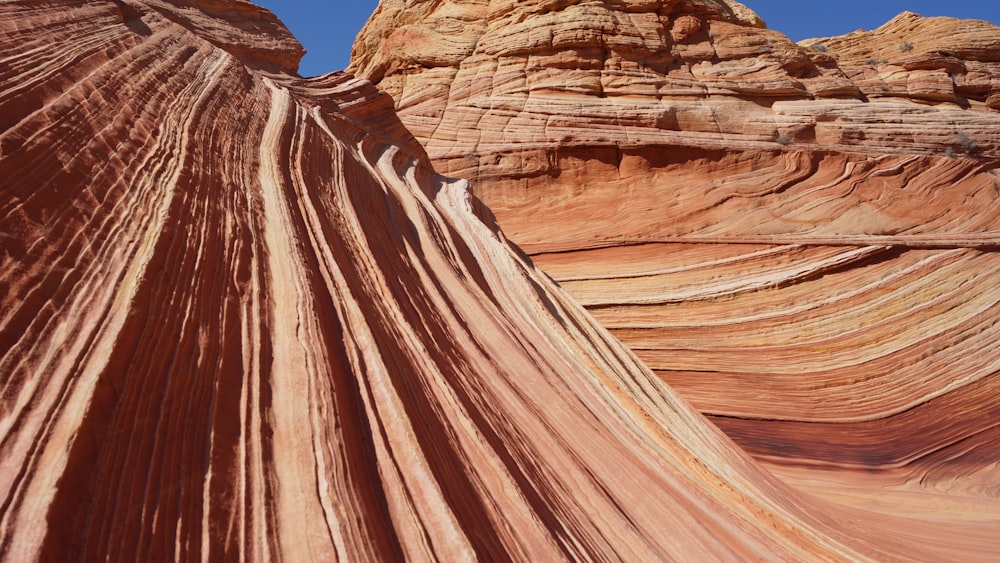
(928, 59)
(241, 318)
(524, 79)
(800, 238)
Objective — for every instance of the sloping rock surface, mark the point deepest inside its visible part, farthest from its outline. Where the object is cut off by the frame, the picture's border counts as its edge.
(801, 238)
(242, 318)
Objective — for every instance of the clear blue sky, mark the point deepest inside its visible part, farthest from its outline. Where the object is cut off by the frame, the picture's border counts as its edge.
(327, 28)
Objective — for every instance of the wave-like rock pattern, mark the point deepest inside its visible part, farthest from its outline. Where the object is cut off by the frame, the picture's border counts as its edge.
(800, 238)
(242, 318)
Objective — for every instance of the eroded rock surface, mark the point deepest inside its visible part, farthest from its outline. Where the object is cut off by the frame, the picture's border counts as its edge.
(242, 318)
(800, 238)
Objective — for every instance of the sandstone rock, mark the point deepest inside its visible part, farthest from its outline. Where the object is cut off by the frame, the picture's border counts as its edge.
(964, 56)
(242, 318)
(547, 78)
(800, 238)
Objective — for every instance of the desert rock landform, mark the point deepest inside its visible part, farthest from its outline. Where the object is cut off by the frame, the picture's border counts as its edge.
(750, 315)
(801, 239)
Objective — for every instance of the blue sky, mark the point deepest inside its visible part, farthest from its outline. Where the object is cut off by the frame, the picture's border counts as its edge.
(327, 28)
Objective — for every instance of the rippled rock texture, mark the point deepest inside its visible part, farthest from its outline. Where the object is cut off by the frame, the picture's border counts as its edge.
(800, 238)
(242, 318)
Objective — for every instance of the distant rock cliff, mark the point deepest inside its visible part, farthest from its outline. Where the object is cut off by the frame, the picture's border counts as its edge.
(800, 238)
(241, 318)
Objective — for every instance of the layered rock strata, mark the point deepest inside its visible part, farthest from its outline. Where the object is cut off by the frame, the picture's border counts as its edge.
(800, 238)
(242, 318)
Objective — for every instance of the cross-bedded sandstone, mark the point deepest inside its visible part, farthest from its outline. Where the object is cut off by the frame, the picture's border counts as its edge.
(242, 318)
(800, 238)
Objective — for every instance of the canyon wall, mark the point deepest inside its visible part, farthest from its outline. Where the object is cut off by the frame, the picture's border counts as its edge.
(241, 317)
(801, 238)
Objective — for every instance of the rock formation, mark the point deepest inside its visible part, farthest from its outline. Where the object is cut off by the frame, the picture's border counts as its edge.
(241, 317)
(800, 238)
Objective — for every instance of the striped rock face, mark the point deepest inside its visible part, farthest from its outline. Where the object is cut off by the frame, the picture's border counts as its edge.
(800, 238)
(242, 318)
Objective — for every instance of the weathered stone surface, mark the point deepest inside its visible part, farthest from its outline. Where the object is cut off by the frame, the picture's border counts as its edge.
(524, 79)
(242, 318)
(931, 59)
(800, 238)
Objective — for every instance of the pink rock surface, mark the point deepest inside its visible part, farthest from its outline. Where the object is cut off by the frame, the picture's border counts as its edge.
(800, 238)
(242, 318)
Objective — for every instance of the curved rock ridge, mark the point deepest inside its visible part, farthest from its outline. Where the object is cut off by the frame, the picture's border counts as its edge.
(243, 318)
(800, 238)
(251, 33)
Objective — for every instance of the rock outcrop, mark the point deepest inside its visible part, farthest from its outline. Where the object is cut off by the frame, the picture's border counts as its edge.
(241, 317)
(800, 238)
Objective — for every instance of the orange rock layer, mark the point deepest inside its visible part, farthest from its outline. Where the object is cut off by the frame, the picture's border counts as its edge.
(242, 318)
(800, 238)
